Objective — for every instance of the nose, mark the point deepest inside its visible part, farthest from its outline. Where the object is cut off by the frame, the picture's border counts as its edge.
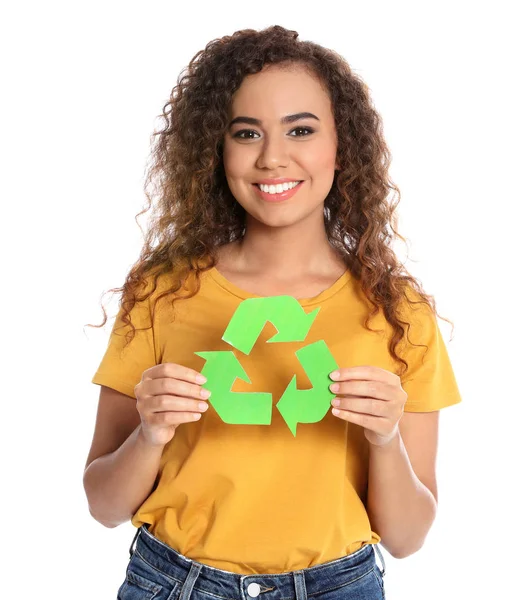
(273, 153)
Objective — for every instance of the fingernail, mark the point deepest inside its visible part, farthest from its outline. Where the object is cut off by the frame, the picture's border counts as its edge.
(205, 393)
(201, 378)
(335, 375)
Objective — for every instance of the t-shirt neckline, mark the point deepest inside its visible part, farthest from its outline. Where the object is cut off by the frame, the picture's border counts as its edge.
(221, 280)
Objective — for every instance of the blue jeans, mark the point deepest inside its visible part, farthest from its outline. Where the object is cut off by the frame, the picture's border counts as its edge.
(158, 572)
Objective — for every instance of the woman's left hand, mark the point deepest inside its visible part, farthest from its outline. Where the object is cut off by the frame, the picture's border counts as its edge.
(372, 398)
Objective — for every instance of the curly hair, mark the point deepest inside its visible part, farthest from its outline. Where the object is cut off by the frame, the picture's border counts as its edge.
(195, 212)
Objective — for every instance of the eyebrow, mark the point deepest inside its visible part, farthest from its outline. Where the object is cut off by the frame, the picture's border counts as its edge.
(284, 120)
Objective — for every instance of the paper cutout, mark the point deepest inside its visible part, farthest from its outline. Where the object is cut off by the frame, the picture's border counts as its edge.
(255, 408)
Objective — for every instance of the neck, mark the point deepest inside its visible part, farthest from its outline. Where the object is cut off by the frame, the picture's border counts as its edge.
(285, 253)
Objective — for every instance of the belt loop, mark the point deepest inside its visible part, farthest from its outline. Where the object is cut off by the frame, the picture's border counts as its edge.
(383, 570)
(300, 585)
(190, 580)
(131, 550)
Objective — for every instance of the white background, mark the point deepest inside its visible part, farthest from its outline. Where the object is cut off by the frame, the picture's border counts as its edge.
(82, 86)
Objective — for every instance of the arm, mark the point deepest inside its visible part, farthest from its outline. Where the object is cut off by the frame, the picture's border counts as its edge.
(402, 488)
(121, 468)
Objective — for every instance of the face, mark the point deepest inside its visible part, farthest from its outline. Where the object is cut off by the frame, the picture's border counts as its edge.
(266, 147)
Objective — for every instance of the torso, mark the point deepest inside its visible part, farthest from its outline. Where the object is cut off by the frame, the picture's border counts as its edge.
(267, 286)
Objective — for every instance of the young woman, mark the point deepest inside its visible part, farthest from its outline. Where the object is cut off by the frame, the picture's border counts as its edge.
(271, 179)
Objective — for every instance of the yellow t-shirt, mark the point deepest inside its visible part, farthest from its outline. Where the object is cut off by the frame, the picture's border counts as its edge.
(256, 499)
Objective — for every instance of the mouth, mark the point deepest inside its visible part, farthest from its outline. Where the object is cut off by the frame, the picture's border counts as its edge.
(294, 181)
(278, 197)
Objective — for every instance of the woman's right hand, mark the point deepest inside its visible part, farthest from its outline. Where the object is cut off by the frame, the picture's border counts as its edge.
(167, 396)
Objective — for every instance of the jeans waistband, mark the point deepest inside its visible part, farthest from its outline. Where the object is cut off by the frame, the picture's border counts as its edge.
(314, 580)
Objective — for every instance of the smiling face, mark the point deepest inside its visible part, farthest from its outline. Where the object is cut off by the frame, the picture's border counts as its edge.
(282, 126)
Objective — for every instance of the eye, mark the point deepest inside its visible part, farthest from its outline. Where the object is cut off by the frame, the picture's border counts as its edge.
(308, 129)
(240, 135)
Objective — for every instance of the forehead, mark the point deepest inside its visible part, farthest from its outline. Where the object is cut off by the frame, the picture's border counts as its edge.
(276, 91)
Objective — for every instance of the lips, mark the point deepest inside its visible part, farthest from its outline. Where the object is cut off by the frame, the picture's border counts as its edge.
(277, 181)
(278, 197)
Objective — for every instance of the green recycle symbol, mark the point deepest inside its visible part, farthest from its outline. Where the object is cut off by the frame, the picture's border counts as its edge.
(255, 408)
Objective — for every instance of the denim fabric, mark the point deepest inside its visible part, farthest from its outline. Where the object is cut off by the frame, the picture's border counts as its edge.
(158, 572)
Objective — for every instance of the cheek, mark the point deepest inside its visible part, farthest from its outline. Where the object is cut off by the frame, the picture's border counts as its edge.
(234, 161)
(320, 159)
(328, 155)
(321, 168)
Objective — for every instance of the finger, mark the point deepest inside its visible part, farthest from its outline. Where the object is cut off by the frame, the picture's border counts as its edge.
(175, 371)
(172, 418)
(367, 421)
(369, 406)
(169, 403)
(368, 389)
(168, 385)
(367, 373)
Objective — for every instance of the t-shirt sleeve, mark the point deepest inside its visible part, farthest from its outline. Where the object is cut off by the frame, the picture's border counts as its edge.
(121, 368)
(429, 381)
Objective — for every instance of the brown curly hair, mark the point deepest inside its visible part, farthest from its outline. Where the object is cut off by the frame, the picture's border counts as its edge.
(196, 213)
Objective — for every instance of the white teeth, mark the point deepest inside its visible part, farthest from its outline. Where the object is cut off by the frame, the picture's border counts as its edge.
(277, 189)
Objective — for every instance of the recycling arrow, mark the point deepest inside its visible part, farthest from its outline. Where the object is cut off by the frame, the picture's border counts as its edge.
(222, 367)
(308, 406)
(234, 407)
(284, 312)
